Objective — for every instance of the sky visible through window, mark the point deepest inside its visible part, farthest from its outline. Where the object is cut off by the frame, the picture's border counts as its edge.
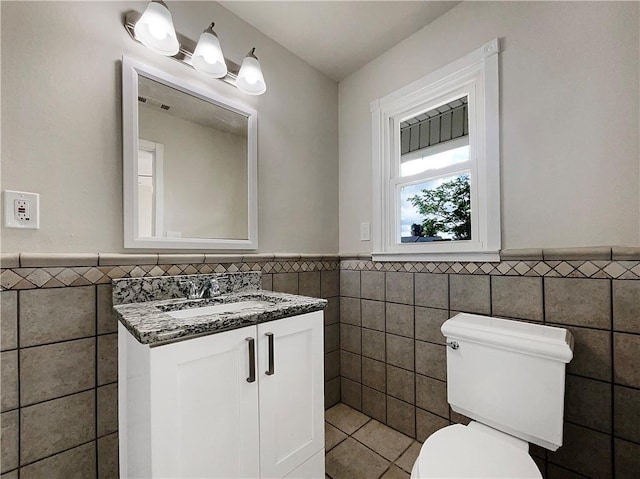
(409, 213)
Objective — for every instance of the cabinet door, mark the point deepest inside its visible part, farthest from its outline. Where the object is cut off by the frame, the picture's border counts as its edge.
(204, 412)
(312, 469)
(292, 398)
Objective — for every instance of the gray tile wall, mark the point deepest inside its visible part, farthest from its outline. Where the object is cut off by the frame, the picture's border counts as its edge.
(394, 359)
(59, 383)
(319, 284)
(59, 364)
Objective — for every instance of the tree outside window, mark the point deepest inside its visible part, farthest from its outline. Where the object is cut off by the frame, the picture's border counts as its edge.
(446, 210)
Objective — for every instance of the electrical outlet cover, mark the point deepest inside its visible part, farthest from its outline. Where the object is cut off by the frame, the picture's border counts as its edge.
(21, 209)
(365, 232)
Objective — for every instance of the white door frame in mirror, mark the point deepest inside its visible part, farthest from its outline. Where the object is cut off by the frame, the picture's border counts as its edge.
(474, 76)
(131, 69)
(157, 152)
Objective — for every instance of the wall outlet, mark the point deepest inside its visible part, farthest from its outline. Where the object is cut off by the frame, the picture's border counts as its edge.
(365, 232)
(21, 209)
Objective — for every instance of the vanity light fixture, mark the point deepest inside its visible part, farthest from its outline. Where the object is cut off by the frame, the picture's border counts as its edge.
(207, 58)
(250, 79)
(154, 29)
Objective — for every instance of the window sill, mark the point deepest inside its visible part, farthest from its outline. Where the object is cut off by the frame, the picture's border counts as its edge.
(483, 257)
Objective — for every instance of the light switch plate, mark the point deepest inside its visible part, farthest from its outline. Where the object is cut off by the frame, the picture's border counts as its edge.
(21, 209)
(365, 232)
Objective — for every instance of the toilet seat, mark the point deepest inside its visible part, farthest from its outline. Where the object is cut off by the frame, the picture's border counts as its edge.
(470, 452)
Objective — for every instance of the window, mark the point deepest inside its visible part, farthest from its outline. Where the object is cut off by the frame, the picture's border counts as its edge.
(436, 165)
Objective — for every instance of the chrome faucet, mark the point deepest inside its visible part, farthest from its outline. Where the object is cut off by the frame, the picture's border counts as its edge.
(210, 289)
(193, 290)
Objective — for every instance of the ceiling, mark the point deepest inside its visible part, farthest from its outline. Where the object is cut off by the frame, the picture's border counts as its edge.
(338, 37)
(163, 98)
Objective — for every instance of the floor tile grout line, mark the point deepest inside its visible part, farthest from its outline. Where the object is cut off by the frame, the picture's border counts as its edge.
(326, 451)
(391, 463)
(385, 471)
(363, 425)
(367, 422)
(408, 447)
(371, 448)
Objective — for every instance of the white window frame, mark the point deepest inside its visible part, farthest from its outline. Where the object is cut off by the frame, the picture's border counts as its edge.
(476, 76)
(435, 149)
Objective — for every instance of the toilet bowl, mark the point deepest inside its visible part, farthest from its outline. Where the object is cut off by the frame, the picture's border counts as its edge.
(508, 377)
(474, 451)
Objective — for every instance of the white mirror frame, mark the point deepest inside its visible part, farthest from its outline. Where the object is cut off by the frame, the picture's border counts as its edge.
(131, 69)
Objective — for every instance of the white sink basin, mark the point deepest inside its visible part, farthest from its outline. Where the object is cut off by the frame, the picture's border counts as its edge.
(217, 309)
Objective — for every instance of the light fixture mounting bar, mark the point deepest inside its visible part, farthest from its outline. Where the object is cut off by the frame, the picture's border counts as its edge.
(187, 46)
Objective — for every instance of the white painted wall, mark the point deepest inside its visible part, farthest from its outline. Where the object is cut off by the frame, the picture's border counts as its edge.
(570, 128)
(569, 113)
(61, 125)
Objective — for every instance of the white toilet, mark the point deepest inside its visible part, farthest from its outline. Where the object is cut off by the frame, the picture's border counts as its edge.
(508, 377)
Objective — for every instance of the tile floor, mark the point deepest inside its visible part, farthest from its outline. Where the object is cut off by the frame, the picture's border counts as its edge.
(358, 447)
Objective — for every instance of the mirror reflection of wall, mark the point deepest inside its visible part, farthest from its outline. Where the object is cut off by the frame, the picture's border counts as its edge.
(201, 188)
(435, 191)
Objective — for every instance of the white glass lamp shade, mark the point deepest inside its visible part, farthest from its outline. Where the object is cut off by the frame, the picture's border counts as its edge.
(155, 30)
(250, 79)
(207, 58)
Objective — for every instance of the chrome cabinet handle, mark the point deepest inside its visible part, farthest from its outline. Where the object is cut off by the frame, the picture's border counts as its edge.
(453, 344)
(252, 359)
(271, 371)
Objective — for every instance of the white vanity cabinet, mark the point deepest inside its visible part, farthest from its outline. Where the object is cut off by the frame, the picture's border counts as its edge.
(209, 407)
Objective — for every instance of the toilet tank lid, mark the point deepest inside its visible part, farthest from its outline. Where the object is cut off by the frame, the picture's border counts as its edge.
(534, 339)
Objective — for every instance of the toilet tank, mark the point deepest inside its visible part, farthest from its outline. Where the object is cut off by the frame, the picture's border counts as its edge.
(509, 375)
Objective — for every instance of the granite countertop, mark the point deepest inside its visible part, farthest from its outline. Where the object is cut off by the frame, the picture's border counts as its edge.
(150, 323)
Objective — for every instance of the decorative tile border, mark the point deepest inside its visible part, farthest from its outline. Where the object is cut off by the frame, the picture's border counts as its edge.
(558, 269)
(42, 270)
(58, 277)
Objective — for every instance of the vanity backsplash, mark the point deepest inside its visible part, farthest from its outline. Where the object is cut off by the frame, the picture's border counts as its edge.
(154, 288)
(156, 310)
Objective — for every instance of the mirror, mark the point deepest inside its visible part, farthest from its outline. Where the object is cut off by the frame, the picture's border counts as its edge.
(190, 161)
